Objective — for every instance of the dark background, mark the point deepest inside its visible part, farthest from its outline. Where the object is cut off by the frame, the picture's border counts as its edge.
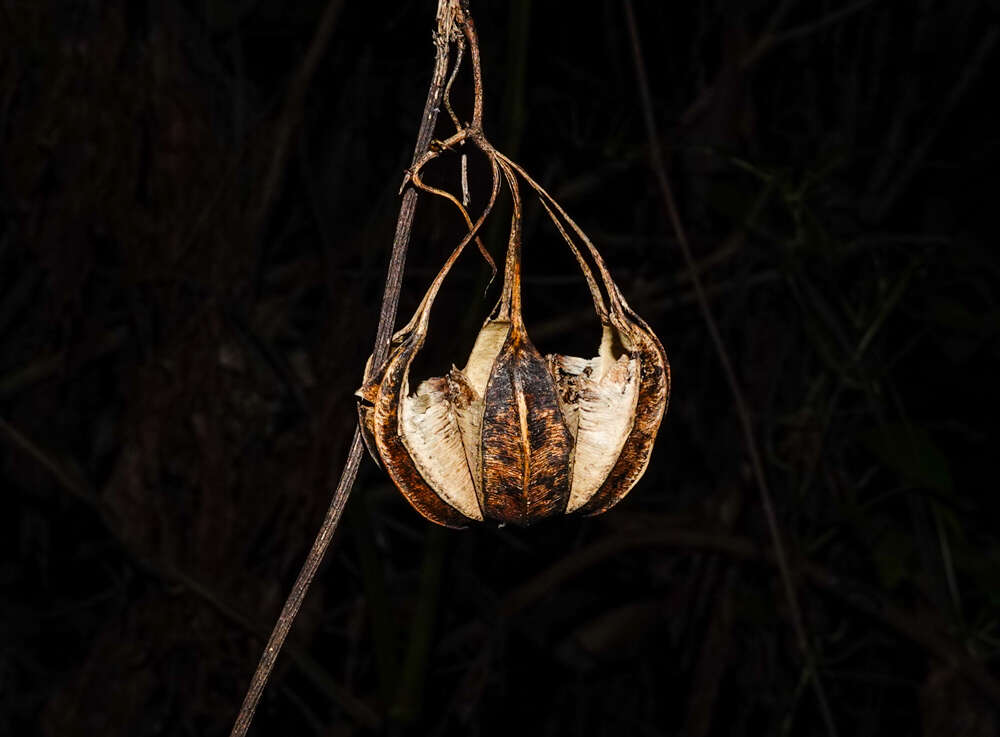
(197, 201)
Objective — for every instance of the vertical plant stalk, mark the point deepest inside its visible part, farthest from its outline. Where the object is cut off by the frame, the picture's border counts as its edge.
(749, 435)
(444, 36)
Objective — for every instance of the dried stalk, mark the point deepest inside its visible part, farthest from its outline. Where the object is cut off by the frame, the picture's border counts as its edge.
(749, 435)
(446, 14)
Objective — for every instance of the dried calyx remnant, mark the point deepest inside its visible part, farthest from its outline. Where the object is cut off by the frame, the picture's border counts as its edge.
(515, 436)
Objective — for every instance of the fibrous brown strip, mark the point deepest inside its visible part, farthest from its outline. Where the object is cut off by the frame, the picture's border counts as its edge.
(502, 450)
(392, 450)
(654, 392)
(525, 443)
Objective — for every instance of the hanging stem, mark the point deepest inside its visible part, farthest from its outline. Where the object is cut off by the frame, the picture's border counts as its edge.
(510, 301)
(448, 12)
(469, 29)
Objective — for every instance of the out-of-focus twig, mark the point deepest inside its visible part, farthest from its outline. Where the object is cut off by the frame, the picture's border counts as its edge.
(853, 593)
(807, 29)
(291, 111)
(771, 37)
(73, 482)
(916, 157)
(750, 439)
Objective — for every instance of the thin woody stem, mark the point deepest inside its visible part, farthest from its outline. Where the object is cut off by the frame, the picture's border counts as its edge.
(417, 182)
(428, 301)
(448, 10)
(510, 302)
(432, 151)
(549, 202)
(614, 296)
(595, 291)
(459, 54)
(511, 299)
(469, 29)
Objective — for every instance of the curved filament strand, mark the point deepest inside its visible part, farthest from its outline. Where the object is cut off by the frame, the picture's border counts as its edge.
(510, 302)
(595, 290)
(459, 53)
(614, 295)
(423, 310)
(419, 184)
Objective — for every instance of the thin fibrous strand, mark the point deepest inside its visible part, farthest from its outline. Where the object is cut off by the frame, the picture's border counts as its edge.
(433, 153)
(595, 290)
(510, 302)
(614, 296)
(465, 184)
(459, 53)
(419, 184)
(420, 317)
(467, 26)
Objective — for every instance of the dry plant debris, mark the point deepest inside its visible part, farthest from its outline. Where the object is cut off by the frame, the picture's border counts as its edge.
(515, 437)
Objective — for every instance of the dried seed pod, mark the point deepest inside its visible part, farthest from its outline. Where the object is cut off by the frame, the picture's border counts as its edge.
(512, 436)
